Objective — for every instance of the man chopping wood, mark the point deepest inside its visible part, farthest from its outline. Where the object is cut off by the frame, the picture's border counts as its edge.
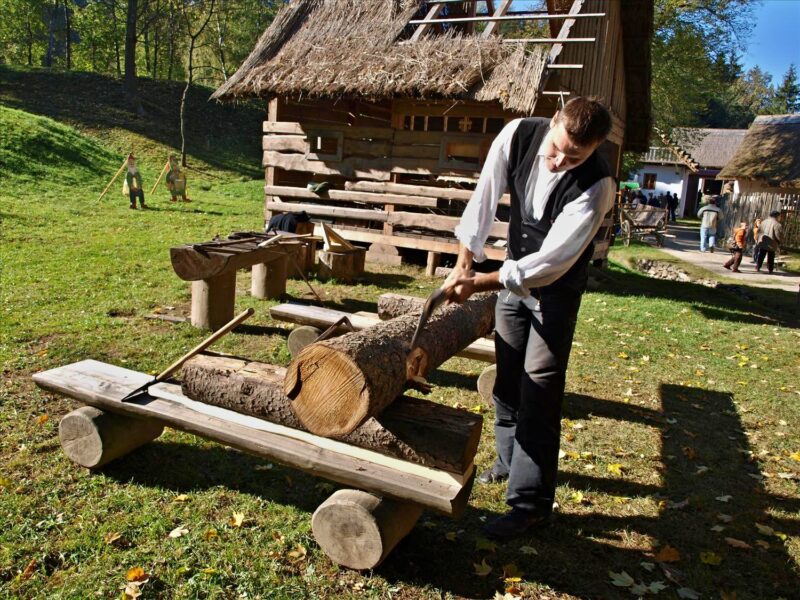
(561, 189)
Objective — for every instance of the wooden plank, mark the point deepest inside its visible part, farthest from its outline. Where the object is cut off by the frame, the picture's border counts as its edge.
(563, 33)
(493, 27)
(351, 196)
(191, 265)
(416, 243)
(421, 190)
(433, 12)
(103, 386)
(285, 143)
(322, 318)
(439, 223)
(373, 148)
(294, 128)
(501, 19)
(359, 214)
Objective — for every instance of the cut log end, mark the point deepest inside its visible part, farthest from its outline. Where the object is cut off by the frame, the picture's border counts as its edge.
(321, 372)
(358, 530)
(300, 337)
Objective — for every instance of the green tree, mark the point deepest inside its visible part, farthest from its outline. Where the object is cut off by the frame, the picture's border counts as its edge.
(787, 95)
(23, 34)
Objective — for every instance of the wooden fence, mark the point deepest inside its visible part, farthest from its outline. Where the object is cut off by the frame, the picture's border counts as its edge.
(748, 206)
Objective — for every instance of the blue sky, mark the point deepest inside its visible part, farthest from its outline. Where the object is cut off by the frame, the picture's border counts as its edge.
(775, 41)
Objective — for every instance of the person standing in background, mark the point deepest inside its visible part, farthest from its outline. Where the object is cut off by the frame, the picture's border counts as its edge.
(769, 241)
(134, 180)
(709, 215)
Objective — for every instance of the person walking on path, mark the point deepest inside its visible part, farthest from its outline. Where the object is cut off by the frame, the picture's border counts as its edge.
(134, 180)
(769, 240)
(737, 250)
(708, 225)
(756, 234)
(672, 204)
(561, 189)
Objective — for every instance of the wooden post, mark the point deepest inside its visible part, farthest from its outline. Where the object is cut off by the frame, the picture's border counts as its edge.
(433, 262)
(269, 279)
(345, 264)
(358, 530)
(93, 438)
(213, 301)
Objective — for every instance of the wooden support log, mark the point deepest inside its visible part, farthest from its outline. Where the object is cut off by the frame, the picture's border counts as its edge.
(486, 383)
(269, 279)
(300, 337)
(345, 265)
(432, 263)
(337, 384)
(213, 301)
(358, 530)
(411, 429)
(93, 438)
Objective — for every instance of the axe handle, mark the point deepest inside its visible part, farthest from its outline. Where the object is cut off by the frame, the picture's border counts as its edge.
(204, 344)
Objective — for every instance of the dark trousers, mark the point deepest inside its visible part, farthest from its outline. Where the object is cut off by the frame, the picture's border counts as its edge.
(735, 260)
(532, 348)
(769, 255)
(136, 193)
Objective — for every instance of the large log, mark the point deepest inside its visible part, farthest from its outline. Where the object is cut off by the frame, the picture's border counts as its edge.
(411, 429)
(395, 305)
(335, 385)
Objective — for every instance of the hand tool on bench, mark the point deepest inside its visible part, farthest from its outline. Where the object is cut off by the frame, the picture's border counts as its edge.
(142, 390)
(343, 322)
(416, 363)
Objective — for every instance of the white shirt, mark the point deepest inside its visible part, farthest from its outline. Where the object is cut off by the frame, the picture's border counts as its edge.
(571, 232)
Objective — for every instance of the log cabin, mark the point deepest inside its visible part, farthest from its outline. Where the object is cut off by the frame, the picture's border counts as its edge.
(394, 104)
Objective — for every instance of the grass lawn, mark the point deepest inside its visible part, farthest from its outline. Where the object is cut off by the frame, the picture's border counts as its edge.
(681, 451)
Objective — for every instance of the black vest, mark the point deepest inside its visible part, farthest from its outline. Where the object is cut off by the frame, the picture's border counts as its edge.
(525, 235)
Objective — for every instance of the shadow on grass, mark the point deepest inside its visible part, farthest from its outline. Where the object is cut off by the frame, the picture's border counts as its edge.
(576, 553)
(697, 428)
(739, 303)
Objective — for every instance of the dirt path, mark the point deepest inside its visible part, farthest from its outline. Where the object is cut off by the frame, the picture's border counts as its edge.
(686, 246)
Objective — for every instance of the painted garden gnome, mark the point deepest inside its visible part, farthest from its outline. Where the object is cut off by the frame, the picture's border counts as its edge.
(133, 179)
(176, 180)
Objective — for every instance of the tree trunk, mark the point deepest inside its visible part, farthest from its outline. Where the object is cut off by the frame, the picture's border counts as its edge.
(412, 429)
(131, 83)
(113, 6)
(183, 100)
(337, 384)
(30, 40)
(68, 35)
(221, 46)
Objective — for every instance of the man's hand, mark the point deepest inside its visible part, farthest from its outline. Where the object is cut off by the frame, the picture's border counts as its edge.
(459, 290)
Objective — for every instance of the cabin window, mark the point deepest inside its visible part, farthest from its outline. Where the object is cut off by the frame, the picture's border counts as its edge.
(494, 125)
(462, 153)
(435, 124)
(649, 181)
(325, 145)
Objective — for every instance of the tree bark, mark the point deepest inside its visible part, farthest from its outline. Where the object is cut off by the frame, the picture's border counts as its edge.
(337, 384)
(131, 83)
(396, 305)
(412, 429)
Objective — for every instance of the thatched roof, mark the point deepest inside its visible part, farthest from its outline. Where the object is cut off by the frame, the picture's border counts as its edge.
(770, 152)
(704, 148)
(330, 48)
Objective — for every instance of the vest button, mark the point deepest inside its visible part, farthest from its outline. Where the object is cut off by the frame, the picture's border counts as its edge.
(523, 248)
(525, 235)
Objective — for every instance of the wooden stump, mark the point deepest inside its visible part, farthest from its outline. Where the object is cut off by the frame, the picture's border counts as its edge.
(213, 301)
(269, 279)
(337, 384)
(93, 438)
(358, 530)
(384, 254)
(432, 264)
(300, 337)
(486, 383)
(345, 265)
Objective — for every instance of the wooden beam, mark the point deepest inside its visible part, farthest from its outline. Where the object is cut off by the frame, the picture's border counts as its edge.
(563, 33)
(439, 223)
(556, 41)
(349, 195)
(421, 190)
(359, 214)
(103, 386)
(500, 19)
(433, 12)
(492, 28)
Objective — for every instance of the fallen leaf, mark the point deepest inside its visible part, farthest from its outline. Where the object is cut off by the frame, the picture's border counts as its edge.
(29, 569)
(136, 574)
(111, 537)
(236, 520)
(298, 554)
(621, 579)
(210, 534)
(623, 355)
(738, 543)
(667, 554)
(638, 589)
(656, 586)
(718, 528)
(724, 518)
(620, 499)
(131, 591)
(576, 497)
(529, 550)
(795, 456)
(688, 594)
(181, 498)
(484, 544)
(42, 419)
(725, 498)
(710, 558)
(615, 469)
(700, 470)
(647, 566)
(764, 529)
(179, 531)
(689, 452)
(482, 569)
(679, 505)
(450, 536)
(762, 544)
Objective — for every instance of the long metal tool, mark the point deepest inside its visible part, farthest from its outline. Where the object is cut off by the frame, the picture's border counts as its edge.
(142, 390)
(431, 304)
